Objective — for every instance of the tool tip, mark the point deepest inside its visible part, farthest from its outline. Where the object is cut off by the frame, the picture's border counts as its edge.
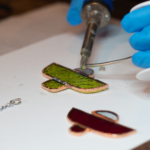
(83, 62)
(83, 67)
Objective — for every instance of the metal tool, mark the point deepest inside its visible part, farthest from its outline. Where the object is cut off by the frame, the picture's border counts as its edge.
(96, 14)
(60, 81)
(13, 102)
(108, 63)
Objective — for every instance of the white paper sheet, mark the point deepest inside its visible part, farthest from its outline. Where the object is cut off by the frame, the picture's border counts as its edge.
(40, 122)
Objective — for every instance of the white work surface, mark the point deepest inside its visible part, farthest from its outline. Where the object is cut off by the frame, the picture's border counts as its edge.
(40, 122)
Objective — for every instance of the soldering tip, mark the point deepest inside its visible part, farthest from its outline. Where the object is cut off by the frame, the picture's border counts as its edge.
(83, 62)
(83, 67)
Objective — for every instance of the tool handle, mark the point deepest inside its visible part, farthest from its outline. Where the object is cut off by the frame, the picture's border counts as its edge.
(96, 14)
(106, 3)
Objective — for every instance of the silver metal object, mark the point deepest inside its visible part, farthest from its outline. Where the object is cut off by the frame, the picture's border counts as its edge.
(87, 71)
(88, 7)
(13, 102)
(109, 62)
(95, 15)
(60, 81)
(102, 68)
(88, 44)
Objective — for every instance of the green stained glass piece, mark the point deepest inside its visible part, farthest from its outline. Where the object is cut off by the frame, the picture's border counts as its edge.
(53, 84)
(71, 77)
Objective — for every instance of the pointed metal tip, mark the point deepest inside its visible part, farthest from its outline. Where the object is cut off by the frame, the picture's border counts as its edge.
(83, 67)
(83, 62)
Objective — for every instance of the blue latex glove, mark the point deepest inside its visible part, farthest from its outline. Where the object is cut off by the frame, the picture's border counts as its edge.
(74, 13)
(138, 21)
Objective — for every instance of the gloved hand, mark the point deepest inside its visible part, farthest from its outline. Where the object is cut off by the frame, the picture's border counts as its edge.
(74, 13)
(138, 21)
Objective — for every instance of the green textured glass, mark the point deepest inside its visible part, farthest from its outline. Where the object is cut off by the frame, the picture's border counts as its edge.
(53, 84)
(71, 77)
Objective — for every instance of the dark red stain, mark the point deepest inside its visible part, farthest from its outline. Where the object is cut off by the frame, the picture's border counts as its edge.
(77, 128)
(96, 123)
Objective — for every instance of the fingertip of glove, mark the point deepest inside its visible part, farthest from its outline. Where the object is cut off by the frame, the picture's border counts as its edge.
(141, 59)
(140, 40)
(133, 42)
(136, 60)
(73, 18)
(125, 23)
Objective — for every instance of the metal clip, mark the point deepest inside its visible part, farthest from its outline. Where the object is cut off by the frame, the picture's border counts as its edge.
(16, 101)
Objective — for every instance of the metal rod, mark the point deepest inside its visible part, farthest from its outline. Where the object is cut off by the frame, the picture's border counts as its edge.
(88, 43)
(89, 38)
(109, 62)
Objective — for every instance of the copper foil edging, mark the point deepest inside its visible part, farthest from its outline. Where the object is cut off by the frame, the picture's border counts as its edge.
(54, 90)
(104, 87)
(89, 90)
